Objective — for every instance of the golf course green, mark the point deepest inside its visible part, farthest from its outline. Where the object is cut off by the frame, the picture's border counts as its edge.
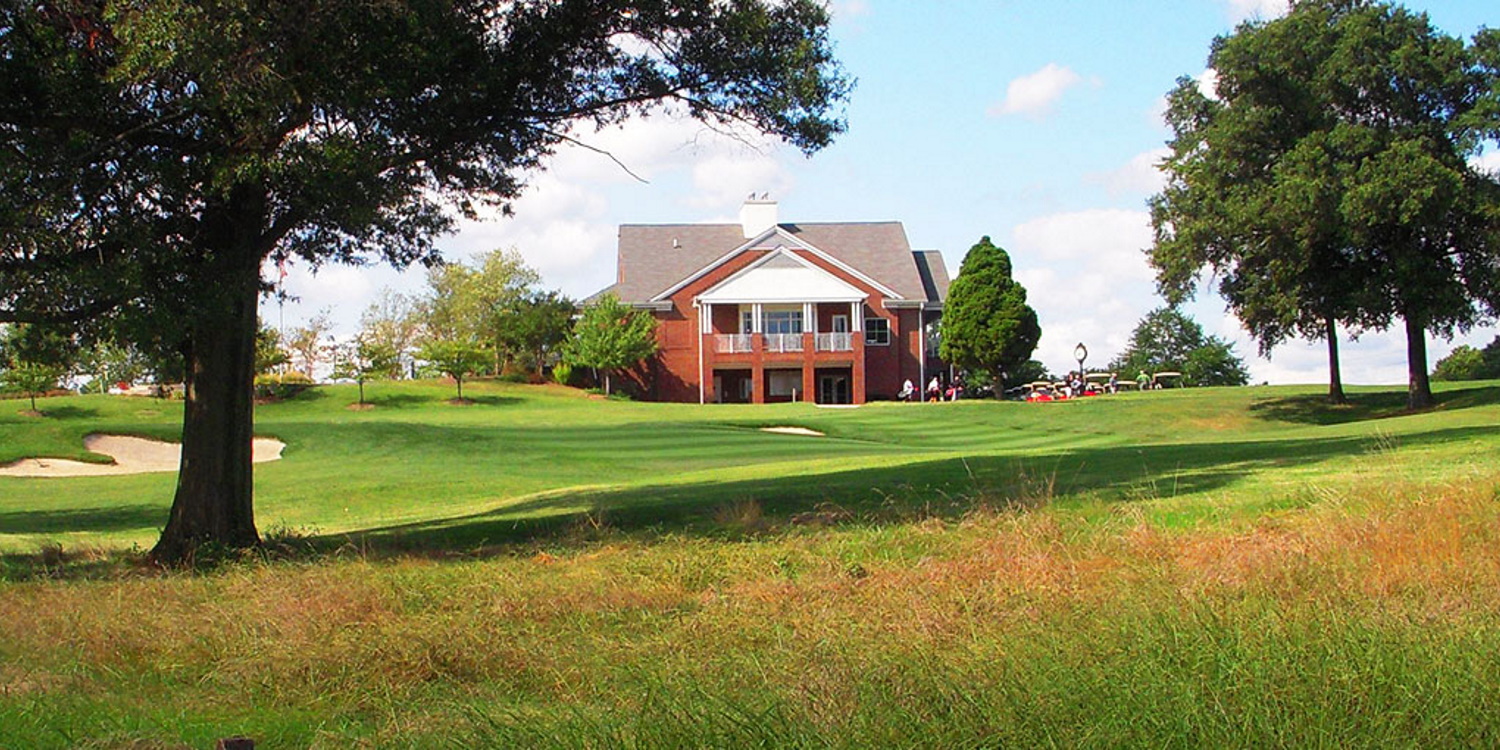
(546, 568)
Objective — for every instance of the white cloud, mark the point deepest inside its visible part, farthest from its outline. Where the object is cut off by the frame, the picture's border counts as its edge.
(1035, 94)
(1245, 10)
(1488, 162)
(1139, 176)
(1208, 83)
(849, 9)
(1087, 277)
(564, 223)
(725, 179)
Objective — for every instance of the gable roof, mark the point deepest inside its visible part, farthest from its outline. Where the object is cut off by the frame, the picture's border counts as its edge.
(782, 277)
(655, 257)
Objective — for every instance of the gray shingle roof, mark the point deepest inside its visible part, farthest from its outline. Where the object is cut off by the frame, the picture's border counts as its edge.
(654, 257)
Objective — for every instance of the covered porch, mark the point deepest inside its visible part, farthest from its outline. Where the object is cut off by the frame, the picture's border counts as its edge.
(774, 326)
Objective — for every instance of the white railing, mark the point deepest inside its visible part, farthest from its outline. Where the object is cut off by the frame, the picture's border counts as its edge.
(732, 343)
(835, 342)
(783, 342)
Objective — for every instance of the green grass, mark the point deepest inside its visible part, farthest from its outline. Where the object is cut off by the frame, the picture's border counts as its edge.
(1217, 567)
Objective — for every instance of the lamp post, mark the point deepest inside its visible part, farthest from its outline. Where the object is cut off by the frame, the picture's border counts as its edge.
(1080, 353)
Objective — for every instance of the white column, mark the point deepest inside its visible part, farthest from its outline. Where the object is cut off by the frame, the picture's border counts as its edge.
(706, 318)
(856, 317)
(809, 317)
(757, 324)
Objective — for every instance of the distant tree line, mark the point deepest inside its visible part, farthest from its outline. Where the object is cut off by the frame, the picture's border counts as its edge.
(1467, 363)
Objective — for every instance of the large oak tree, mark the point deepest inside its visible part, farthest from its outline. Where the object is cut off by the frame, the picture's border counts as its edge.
(155, 153)
(1325, 179)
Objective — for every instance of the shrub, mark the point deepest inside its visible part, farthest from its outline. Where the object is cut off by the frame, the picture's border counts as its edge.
(282, 386)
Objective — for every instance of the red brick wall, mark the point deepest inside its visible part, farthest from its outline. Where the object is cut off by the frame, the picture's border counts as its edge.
(673, 374)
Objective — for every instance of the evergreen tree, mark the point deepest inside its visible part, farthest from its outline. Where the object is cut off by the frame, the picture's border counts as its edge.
(987, 324)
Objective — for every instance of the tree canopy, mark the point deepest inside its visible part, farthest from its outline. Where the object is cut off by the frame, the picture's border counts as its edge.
(456, 358)
(1467, 363)
(987, 324)
(610, 335)
(153, 155)
(1166, 340)
(1325, 178)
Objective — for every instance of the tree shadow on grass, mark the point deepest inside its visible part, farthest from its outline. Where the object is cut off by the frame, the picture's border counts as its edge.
(946, 488)
(396, 400)
(1314, 409)
(118, 518)
(485, 399)
(67, 412)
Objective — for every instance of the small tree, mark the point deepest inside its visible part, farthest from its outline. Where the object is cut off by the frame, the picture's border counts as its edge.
(1168, 340)
(306, 342)
(269, 354)
(987, 324)
(535, 326)
(109, 362)
(455, 358)
(393, 320)
(365, 360)
(611, 335)
(31, 379)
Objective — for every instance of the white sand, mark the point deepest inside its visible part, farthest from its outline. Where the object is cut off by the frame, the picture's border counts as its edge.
(132, 455)
(792, 431)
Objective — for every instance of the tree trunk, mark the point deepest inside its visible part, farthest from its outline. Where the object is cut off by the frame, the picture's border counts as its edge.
(1418, 389)
(1335, 378)
(214, 499)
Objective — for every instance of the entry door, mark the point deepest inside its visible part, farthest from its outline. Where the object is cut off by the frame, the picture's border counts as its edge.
(833, 389)
(841, 324)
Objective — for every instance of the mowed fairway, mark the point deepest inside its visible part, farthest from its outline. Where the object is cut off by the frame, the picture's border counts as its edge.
(1214, 567)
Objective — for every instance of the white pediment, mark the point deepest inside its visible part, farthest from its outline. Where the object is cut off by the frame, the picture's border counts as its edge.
(782, 277)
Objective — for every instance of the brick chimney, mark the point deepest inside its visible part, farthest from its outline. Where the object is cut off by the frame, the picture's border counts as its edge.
(758, 214)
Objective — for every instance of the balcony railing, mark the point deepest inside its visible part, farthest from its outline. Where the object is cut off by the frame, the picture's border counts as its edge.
(733, 343)
(835, 342)
(783, 342)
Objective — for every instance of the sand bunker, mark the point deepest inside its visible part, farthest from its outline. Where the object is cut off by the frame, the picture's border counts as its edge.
(132, 455)
(792, 431)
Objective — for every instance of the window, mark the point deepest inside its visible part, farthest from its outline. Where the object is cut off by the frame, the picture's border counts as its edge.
(877, 332)
(747, 321)
(783, 382)
(783, 321)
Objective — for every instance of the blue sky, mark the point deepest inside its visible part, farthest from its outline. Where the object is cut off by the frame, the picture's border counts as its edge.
(1034, 123)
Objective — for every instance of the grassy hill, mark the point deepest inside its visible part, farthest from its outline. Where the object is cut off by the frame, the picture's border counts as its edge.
(1198, 568)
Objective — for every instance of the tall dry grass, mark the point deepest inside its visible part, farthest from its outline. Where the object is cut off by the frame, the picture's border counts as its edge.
(1369, 618)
